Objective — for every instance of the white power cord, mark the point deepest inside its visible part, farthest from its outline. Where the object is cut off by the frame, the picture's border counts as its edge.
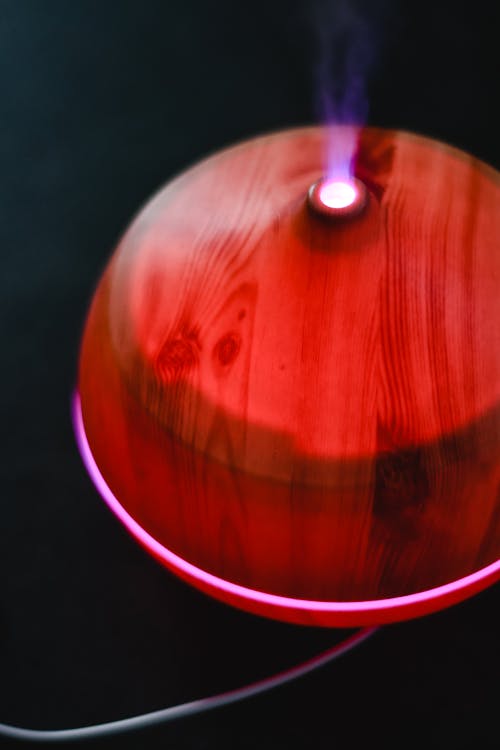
(187, 709)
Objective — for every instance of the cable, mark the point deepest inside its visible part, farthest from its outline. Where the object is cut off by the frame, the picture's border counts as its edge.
(193, 707)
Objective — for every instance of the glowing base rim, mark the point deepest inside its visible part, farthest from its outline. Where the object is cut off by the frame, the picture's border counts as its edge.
(323, 613)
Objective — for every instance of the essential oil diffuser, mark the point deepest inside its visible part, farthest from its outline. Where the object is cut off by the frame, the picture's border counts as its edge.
(290, 395)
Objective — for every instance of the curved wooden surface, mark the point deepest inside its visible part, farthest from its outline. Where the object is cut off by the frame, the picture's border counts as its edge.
(305, 408)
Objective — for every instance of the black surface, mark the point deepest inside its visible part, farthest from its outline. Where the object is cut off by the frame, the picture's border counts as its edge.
(101, 102)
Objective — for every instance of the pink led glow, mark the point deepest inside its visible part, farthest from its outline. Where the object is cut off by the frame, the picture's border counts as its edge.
(329, 613)
(338, 194)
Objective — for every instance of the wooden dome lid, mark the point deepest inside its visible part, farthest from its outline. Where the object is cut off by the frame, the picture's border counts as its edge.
(278, 342)
(304, 407)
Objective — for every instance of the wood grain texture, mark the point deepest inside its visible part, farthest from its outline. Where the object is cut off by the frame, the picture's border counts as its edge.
(306, 408)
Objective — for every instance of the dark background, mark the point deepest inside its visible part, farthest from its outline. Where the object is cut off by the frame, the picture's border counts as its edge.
(100, 103)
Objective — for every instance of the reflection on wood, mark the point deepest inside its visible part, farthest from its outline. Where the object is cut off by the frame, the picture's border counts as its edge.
(306, 408)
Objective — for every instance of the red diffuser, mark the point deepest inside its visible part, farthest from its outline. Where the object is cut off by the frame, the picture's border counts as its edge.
(291, 396)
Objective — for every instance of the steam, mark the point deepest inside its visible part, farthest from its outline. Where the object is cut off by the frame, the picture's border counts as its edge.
(345, 44)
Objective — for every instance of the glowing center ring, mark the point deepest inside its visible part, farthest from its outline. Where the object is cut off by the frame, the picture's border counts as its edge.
(337, 199)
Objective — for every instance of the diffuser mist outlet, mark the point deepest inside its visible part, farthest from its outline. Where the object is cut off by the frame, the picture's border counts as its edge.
(291, 397)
